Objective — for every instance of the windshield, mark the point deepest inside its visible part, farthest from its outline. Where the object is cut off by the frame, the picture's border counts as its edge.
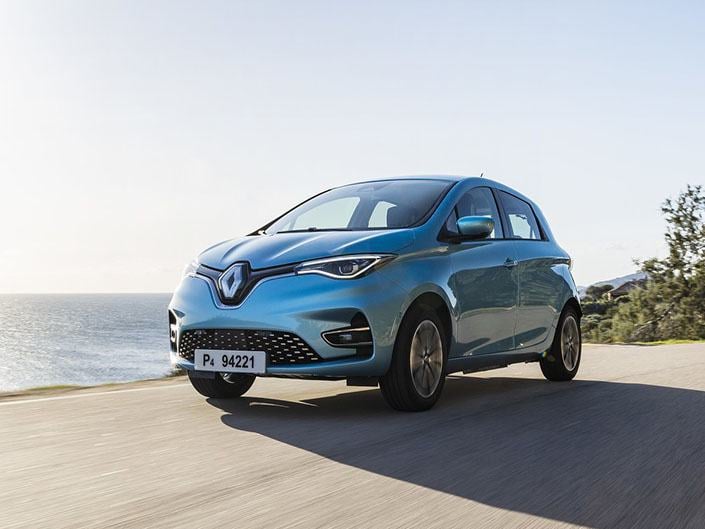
(368, 206)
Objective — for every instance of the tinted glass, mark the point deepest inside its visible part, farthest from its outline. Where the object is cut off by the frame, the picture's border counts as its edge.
(478, 202)
(520, 217)
(372, 205)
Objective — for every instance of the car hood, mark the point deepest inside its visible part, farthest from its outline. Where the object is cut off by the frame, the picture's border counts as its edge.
(264, 251)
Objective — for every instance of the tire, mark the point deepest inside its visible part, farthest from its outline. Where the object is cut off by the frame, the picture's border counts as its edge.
(562, 360)
(222, 386)
(401, 389)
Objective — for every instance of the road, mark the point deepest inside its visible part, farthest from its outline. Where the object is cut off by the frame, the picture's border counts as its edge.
(621, 446)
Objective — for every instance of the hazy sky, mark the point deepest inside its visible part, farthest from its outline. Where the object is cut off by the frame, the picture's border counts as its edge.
(135, 134)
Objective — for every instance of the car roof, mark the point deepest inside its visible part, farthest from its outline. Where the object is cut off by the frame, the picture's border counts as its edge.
(446, 178)
(439, 178)
(469, 180)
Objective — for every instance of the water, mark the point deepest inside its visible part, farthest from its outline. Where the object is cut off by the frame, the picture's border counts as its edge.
(50, 339)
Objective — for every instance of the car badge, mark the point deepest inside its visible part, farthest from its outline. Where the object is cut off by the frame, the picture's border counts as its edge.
(231, 280)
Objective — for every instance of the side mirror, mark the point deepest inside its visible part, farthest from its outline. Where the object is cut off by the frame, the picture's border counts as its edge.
(473, 228)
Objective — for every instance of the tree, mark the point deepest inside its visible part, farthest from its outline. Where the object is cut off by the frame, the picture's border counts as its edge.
(595, 292)
(685, 235)
(672, 305)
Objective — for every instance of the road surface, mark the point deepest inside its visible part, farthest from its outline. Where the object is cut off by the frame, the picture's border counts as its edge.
(621, 446)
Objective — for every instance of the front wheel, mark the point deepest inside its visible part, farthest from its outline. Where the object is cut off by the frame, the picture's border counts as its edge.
(223, 386)
(416, 376)
(562, 360)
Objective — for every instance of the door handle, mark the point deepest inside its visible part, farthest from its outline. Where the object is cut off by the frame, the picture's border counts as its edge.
(510, 263)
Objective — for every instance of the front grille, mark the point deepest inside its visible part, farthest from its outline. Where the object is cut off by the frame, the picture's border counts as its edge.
(282, 348)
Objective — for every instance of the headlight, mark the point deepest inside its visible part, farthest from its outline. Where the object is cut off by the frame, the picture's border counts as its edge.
(190, 268)
(346, 267)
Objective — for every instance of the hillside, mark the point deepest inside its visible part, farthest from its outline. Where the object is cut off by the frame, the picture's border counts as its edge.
(616, 282)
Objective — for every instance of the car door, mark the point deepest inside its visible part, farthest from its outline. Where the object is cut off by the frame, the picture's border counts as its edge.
(539, 285)
(484, 281)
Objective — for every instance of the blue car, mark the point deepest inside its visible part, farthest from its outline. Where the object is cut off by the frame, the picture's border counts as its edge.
(394, 282)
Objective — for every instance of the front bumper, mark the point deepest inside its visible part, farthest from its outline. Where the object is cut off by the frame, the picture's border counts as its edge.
(306, 306)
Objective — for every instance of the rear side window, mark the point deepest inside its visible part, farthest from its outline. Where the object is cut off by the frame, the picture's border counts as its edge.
(521, 221)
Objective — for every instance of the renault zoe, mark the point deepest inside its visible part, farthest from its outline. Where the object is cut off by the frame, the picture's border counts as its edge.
(394, 282)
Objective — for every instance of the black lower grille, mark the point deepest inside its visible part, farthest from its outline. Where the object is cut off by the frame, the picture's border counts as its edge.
(282, 348)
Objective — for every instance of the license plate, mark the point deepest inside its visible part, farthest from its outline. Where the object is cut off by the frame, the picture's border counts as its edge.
(222, 361)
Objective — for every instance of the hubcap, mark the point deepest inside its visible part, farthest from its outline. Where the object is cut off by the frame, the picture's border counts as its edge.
(570, 343)
(426, 358)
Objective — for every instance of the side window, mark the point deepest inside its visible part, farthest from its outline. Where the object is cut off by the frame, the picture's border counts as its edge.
(378, 217)
(479, 202)
(520, 217)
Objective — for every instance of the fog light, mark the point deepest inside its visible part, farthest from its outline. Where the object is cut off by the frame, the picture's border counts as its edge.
(348, 337)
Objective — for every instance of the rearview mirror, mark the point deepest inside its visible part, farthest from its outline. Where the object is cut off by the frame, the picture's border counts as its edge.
(473, 228)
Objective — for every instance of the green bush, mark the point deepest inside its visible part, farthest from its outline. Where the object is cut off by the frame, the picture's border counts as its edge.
(671, 306)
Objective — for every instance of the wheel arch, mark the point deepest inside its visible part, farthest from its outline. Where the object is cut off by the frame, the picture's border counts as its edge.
(574, 303)
(440, 307)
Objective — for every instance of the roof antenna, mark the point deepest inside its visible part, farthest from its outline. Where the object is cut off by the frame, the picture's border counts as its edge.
(482, 175)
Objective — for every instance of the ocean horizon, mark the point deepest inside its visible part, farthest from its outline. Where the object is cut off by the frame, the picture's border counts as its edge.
(82, 338)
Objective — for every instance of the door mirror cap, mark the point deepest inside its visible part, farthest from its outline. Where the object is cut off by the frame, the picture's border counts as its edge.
(473, 227)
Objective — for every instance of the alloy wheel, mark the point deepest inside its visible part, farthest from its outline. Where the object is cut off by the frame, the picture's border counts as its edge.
(570, 343)
(426, 358)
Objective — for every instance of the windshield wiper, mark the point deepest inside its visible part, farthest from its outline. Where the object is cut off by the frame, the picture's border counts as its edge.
(314, 228)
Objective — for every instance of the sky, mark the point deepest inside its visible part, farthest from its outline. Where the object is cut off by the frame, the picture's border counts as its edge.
(135, 134)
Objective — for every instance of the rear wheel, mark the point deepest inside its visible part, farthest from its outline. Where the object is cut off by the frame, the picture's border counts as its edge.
(562, 360)
(223, 386)
(416, 376)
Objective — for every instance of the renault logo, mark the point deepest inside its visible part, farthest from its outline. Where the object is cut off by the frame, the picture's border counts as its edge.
(232, 279)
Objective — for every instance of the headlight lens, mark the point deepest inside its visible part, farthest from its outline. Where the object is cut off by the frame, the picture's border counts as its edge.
(190, 268)
(347, 267)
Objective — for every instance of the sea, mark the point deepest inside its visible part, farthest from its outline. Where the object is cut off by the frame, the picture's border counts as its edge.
(82, 339)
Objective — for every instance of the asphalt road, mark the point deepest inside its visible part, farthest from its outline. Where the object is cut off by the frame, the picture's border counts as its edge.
(621, 446)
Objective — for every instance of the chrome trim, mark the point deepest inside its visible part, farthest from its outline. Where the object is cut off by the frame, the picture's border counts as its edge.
(216, 297)
(376, 259)
(344, 330)
(229, 291)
